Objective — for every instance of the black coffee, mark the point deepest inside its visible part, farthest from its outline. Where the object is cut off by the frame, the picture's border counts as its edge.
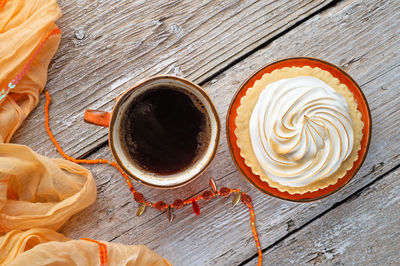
(164, 130)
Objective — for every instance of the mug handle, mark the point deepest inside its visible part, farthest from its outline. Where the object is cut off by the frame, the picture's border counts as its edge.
(98, 117)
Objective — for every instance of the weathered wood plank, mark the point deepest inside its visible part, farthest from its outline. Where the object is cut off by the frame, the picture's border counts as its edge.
(108, 46)
(362, 231)
(361, 36)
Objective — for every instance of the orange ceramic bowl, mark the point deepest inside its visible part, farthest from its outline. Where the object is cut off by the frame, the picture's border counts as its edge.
(298, 62)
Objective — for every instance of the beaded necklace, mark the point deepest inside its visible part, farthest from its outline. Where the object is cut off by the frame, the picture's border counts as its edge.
(138, 197)
(161, 205)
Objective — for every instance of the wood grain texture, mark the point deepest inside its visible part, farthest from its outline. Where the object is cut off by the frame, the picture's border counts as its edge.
(360, 36)
(108, 46)
(365, 230)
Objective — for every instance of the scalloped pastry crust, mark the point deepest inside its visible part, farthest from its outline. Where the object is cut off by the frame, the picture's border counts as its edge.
(248, 102)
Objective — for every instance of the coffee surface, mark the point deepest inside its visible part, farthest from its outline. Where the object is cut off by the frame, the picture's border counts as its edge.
(164, 130)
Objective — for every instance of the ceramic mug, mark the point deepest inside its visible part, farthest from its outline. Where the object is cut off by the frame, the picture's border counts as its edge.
(113, 121)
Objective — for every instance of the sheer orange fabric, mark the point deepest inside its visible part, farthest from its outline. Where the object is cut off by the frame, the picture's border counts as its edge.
(39, 194)
(47, 247)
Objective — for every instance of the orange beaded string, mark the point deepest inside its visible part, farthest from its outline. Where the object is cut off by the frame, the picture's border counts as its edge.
(2, 4)
(254, 230)
(69, 158)
(102, 250)
(160, 205)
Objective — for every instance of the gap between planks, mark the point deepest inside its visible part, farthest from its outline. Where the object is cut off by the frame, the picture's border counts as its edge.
(236, 61)
(141, 40)
(350, 197)
(361, 72)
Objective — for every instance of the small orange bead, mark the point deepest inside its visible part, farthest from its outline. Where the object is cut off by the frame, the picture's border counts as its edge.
(246, 199)
(138, 197)
(178, 204)
(224, 192)
(207, 195)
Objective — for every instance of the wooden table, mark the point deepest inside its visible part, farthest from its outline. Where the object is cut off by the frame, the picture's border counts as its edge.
(108, 46)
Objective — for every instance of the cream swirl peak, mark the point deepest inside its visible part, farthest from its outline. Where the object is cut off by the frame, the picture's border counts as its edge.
(301, 130)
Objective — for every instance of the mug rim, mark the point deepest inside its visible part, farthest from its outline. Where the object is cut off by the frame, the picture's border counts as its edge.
(114, 115)
(230, 126)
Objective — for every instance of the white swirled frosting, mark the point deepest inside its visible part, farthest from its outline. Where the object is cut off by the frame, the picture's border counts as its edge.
(301, 130)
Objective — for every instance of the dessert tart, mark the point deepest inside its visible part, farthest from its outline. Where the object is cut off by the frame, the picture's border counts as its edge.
(299, 129)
